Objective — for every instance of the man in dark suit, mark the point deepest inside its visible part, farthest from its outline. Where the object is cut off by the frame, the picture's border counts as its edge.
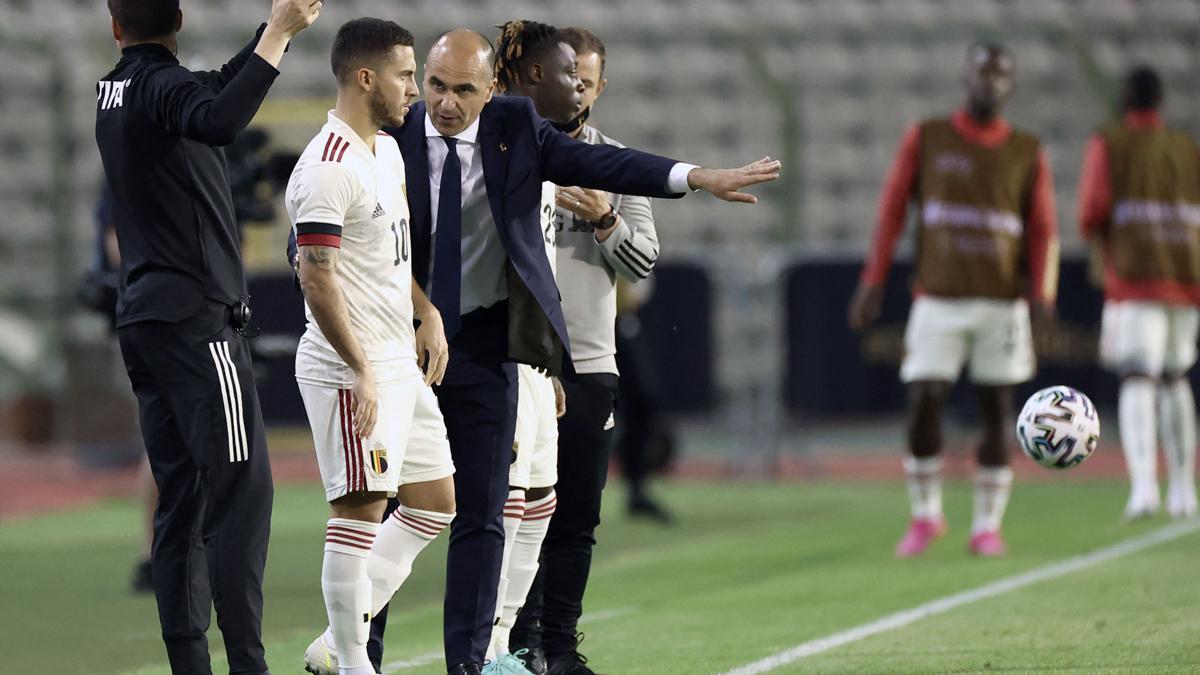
(475, 166)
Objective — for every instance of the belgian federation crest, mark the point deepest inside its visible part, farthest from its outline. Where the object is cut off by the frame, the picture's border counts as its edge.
(378, 460)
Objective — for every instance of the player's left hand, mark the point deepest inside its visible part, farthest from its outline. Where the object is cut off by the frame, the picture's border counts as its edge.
(727, 184)
(560, 398)
(590, 205)
(433, 353)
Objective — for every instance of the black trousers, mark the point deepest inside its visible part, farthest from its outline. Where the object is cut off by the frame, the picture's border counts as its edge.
(553, 608)
(478, 398)
(203, 431)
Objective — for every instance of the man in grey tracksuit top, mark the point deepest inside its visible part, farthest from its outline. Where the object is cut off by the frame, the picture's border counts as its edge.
(599, 237)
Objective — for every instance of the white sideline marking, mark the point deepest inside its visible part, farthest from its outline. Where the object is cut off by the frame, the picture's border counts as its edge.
(431, 657)
(940, 606)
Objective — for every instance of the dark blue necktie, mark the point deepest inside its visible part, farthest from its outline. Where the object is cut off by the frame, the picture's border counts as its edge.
(447, 247)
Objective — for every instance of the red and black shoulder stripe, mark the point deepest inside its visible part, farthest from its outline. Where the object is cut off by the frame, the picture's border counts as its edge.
(335, 148)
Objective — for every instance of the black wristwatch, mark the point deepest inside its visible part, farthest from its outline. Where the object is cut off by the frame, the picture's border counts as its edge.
(607, 221)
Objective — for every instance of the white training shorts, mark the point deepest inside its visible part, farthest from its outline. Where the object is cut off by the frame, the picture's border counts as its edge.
(992, 337)
(536, 441)
(1148, 338)
(408, 445)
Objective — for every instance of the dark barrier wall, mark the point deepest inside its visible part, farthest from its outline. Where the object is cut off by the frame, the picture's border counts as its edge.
(677, 320)
(831, 370)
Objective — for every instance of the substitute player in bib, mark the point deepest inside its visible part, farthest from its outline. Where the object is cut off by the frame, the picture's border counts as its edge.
(374, 417)
(987, 238)
(1139, 199)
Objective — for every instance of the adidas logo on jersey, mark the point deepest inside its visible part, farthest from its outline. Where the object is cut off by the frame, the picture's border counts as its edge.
(379, 212)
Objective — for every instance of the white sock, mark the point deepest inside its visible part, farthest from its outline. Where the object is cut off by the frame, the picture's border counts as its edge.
(523, 564)
(514, 511)
(1135, 412)
(924, 477)
(993, 484)
(401, 539)
(1177, 429)
(347, 591)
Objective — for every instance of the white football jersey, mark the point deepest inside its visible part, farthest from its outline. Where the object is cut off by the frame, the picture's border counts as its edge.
(548, 221)
(341, 194)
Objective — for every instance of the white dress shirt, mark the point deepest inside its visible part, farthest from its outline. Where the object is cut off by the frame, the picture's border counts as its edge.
(484, 279)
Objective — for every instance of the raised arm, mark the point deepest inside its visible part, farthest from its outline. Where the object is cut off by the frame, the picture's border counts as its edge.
(184, 104)
(217, 79)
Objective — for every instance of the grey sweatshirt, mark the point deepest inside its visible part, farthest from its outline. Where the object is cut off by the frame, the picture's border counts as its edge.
(587, 271)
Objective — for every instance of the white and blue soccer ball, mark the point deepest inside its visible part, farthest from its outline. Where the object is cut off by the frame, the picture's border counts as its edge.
(1058, 427)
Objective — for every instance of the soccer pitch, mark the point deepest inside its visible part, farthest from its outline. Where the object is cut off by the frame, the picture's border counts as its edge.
(751, 570)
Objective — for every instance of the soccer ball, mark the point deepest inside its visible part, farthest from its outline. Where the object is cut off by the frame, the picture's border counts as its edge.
(1058, 427)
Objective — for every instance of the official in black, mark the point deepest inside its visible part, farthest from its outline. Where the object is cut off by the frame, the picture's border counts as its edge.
(180, 312)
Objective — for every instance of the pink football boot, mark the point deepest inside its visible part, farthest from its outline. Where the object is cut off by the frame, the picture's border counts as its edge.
(921, 533)
(987, 545)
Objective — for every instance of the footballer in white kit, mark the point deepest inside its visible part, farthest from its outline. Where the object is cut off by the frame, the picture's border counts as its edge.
(343, 195)
(376, 425)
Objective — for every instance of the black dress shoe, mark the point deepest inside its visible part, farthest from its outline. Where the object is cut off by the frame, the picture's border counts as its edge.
(571, 663)
(534, 659)
(465, 669)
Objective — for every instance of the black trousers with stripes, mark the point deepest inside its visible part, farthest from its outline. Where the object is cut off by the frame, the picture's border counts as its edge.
(203, 431)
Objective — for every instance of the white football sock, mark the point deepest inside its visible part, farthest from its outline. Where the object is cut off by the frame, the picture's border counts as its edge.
(1177, 425)
(401, 539)
(514, 511)
(347, 591)
(993, 484)
(1136, 416)
(523, 564)
(924, 477)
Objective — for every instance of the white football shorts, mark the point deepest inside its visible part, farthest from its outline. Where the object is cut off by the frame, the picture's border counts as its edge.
(408, 445)
(992, 337)
(1148, 338)
(536, 441)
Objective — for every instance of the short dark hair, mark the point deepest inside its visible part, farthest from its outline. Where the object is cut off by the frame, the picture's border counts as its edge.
(584, 41)
(144, 19)
(365, 41)
(518, 44)
(1143, 88)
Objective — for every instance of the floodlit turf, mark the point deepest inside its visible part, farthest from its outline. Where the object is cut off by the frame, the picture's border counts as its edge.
(750, 571)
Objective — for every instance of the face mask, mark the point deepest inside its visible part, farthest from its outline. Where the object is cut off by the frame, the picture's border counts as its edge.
(575, 124)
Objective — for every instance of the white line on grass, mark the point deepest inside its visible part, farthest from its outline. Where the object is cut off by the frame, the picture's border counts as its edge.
(430, 657)
(942, 605)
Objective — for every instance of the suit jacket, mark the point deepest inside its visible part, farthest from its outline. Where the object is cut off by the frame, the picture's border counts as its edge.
(519, 151)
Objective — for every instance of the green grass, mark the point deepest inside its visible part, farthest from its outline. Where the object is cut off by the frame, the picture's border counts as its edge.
(752, 569)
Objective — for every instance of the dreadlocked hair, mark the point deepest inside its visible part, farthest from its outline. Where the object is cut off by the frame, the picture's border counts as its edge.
(518, 41)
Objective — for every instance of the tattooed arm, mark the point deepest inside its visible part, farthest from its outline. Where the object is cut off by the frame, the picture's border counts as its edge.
(323, 293)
